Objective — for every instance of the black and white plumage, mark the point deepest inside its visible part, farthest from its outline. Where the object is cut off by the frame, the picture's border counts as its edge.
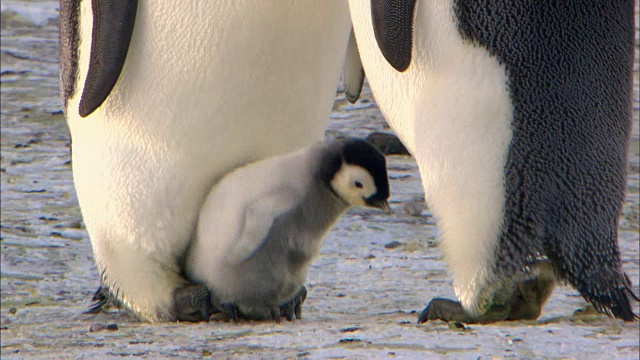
(153, 89)
(262, 225)
(518, 114)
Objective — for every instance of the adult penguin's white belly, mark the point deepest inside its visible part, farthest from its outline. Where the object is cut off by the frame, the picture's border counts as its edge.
(518, 116)
(206, 87)
(451, 109)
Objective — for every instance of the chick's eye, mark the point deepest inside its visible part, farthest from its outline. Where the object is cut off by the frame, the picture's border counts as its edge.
(358, 185)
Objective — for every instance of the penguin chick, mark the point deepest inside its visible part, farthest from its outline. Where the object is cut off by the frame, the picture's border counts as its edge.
(262, 224)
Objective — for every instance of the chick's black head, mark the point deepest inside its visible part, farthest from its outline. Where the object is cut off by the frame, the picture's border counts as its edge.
(359, 152)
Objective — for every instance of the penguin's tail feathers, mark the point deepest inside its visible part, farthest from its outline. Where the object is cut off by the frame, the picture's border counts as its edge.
(615, 301)
(629, 288)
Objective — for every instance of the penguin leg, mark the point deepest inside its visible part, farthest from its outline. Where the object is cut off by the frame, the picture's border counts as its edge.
(450, 310)
(530, 297)
(445, 310)
(294, 306)
(228, 309)
(289, 309)
(524, 303)
(193, 303)
(144, 283)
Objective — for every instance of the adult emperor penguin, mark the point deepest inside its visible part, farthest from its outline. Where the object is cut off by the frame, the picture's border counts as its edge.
(152, 89)
(519, 116)
(262, 225)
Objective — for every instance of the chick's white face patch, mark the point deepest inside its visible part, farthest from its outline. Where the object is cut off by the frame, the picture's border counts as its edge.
(354, 184)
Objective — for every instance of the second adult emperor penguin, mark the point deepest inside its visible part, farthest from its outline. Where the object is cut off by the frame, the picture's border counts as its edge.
(152, 89)
(519, 116)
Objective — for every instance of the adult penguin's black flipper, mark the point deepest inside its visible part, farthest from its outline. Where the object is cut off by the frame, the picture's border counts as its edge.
(393, 29)
(113, 22)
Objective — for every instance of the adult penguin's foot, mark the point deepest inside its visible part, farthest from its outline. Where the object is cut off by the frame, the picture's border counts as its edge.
(294, 306)
(522, 301)
(445, 310)
(450, 310)
(193, 303)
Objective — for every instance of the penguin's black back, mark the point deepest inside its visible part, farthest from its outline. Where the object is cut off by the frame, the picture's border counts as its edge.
(569, 67)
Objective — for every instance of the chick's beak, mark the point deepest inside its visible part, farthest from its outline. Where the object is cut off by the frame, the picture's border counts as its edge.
(380, 204)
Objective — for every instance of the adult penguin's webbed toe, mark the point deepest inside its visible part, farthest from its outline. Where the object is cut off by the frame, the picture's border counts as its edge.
(193, 303)
(450, 310)
(445, 310)
(520, 308)
(294, 306)
(520, 300)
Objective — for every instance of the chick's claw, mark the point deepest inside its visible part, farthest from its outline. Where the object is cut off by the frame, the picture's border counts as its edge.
(294, 306)
(230, 310)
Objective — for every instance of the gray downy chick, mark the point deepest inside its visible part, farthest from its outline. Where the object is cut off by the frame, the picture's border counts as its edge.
(261, 226)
